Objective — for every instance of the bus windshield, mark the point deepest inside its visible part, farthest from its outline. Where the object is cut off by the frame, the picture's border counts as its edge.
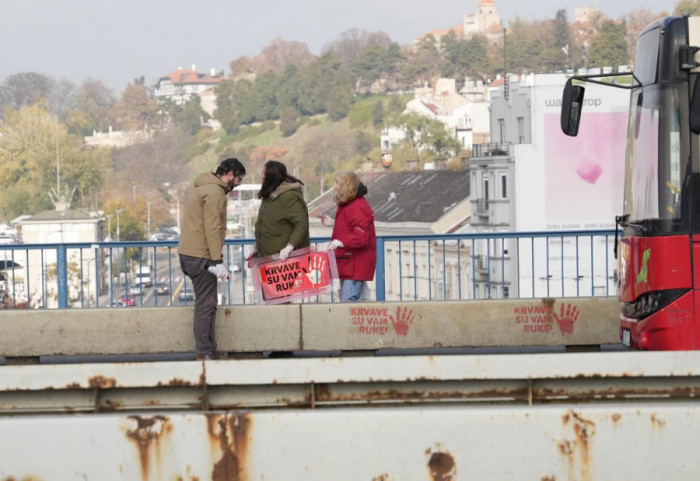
(655, 170)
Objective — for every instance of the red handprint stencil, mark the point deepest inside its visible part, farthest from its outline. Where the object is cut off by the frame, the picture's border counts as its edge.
(568, 313)
(317, 263)
(403, 321)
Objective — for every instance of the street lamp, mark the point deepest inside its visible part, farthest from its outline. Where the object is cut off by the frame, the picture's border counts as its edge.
(109, 226)
(133, 191)
(118, 211)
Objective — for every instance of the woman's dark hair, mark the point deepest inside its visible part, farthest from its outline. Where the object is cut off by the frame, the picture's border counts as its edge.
(230, 165)
(275, 173)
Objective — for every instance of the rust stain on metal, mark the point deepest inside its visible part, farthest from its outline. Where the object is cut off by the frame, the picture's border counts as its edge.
(324, 394)
(381, 477)
(549, 478)
(177, 382)
(23, 478)
(111, 405)
(616, 418)
(231, 466)
(566, 448)
(442, 466)
(148, 433)
(656, 422)
(73, 385)
(102, 382)
(584, 430)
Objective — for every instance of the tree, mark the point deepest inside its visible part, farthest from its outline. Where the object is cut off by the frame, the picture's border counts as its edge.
(562, 39)
(352, 43)
(378, 113)
(32, 142)
(289, 121)
(94, 102)
(636, 20)
(687, 7)
(135, 110)
(192, 116)
(130, 222)
(224, 112)
(24, 89)
(324, 150)
(609, 46)
(279, 53)
(426, 133)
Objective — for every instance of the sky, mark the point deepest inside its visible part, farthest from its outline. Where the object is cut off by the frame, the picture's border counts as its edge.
(117, 41)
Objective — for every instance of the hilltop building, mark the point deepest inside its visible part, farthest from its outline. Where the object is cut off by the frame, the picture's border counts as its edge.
(465, 114)
(179, 85)
(485, 21)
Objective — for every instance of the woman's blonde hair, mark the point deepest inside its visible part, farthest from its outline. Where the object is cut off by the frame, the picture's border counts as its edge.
(348, 183)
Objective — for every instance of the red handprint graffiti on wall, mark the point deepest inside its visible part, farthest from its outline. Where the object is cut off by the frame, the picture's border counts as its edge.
(402, 322)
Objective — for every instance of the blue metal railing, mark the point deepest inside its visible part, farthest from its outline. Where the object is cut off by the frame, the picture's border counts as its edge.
(412, 267)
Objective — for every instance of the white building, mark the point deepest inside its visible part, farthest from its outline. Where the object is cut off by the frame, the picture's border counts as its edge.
(64, 226)
(179, 85)
(532, 177)
(465, 114)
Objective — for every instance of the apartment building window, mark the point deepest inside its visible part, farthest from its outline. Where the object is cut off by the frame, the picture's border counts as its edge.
(504, 186)
(521, 130)
(486, 189)
(502, 130)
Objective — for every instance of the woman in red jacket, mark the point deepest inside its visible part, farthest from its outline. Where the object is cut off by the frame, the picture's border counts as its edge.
(354, 239)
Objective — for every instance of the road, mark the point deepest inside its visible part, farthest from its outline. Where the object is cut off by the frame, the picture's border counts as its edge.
(167, 271)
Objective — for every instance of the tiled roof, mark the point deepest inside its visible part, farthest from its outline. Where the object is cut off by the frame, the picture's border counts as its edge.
(408, 196)
(185, 76)
(59, 215)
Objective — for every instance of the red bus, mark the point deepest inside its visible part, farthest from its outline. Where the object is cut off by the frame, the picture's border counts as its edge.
(659, 272)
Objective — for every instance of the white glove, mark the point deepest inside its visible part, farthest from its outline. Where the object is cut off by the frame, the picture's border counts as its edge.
(327, 220)
(220, 272)
(334, 244)
(284, 253)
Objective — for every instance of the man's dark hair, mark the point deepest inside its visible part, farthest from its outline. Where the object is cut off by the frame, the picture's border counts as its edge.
(230, 165)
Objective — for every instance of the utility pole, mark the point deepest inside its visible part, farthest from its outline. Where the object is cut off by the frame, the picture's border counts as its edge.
(133, 191)
(118, 211)
(148, 221)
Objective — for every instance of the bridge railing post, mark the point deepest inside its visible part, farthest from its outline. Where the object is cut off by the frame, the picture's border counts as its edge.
(62, 276)
(379, 276)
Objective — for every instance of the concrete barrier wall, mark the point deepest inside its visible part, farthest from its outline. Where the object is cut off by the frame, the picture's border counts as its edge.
(363, 326)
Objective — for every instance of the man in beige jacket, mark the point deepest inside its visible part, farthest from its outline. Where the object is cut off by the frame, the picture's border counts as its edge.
(202, 235)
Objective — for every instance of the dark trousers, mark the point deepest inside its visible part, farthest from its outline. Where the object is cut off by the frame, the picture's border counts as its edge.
(204, 286)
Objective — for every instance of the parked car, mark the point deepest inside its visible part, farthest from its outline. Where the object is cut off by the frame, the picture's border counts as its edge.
(186, 295)
(162, 289)
(127, 300)
(117, 303)
(135, 290)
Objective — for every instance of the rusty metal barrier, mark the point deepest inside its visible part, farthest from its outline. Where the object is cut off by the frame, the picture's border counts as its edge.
(310, 327)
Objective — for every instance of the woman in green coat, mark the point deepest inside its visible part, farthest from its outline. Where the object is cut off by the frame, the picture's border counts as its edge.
(283, 218)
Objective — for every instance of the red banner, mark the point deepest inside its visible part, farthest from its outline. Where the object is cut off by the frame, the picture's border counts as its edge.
(305, 273)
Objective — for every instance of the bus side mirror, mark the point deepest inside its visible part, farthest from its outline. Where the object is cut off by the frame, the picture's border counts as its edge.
(571, 108)
(694, 113)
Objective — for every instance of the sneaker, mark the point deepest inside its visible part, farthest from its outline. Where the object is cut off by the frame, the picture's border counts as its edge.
(221, 355)
(206, 357)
